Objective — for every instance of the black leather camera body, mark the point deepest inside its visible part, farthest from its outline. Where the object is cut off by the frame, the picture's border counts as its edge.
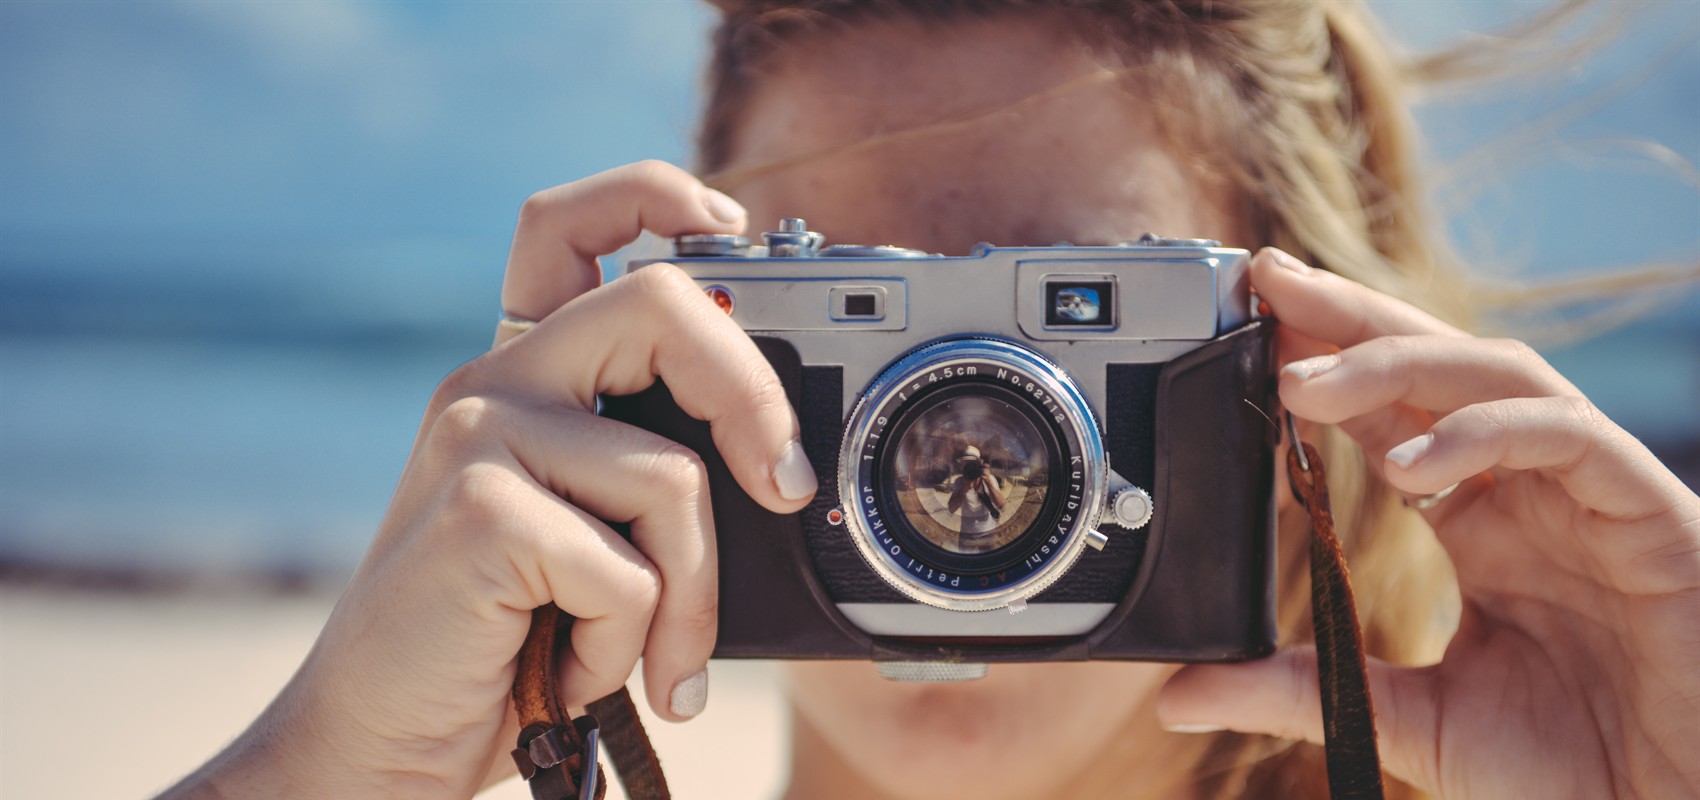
(1024, 454)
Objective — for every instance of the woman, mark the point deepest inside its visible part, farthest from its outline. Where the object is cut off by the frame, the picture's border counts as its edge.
(975, 496)
(937, 124)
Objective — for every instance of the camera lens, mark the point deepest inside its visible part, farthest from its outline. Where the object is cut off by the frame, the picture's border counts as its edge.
(971, 471)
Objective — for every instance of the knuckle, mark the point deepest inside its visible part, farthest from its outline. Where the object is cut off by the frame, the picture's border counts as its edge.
(1401, 343)
(653, 170)
(464, 421)
(765, 392)
(665, 290)
(1496, 418)
(701, 617)
(1518, 350)
(1583, 410)
(536, 206)
(663, 281)
(642, 592)
(482, 497)
(680, 470)
(1542, 377)
(466, 380)
(1394, 353)
(1531, 364)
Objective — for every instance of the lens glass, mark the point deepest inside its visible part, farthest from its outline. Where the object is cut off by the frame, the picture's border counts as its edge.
(971, 472)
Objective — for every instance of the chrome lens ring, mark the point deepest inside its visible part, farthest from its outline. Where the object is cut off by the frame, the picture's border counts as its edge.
(962, 362)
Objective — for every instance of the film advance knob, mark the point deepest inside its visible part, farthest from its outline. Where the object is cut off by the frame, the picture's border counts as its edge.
(1132, 508)
(793, 240)
(711, 244)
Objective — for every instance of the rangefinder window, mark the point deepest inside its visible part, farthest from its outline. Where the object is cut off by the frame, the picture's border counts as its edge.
(857, 303)
(1071, 303)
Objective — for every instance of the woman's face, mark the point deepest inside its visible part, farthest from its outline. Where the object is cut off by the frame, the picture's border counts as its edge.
(1084, 166)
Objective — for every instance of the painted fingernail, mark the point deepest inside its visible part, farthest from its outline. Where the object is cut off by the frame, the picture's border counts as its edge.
(1311, 367)
(793, 474)
(1287, 262)
(690, 696)
(1194, 728)
(722, 207)
(1407, 454)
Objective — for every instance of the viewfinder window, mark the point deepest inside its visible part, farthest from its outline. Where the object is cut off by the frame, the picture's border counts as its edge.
(859, 305)
(1080, 303)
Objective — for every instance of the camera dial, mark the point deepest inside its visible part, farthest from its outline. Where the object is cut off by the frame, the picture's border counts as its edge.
(972, 474)
(723, 245)
(793, 240)
(870, 251)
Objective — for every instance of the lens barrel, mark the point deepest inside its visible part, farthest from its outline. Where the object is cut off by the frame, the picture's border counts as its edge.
(970, 473)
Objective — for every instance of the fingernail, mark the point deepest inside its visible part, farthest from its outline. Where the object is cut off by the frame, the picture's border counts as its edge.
(722, 207)
(1287, 262)
(1311, 367)
(1407, 454)
(690, 696)
(793, 474)
(1194, 728)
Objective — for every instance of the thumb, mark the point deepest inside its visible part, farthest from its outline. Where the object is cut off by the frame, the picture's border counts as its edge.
(1278, 696)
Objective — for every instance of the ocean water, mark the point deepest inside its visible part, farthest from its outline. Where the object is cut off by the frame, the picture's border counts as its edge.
(170, 455)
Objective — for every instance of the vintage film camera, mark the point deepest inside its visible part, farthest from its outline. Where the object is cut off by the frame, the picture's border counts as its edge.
(1024, 454)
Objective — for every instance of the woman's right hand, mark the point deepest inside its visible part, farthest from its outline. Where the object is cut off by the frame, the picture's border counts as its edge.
(503, 504)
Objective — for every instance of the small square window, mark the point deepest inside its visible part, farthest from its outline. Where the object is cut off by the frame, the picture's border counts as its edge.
(856, 303)
(860, 305)
(1080, 304)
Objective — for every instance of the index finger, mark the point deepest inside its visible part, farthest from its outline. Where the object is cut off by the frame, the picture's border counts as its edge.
(562, 230)
(1336, 310)
(657, 323)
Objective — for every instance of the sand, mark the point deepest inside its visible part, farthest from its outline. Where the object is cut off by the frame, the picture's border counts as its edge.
(156, 684)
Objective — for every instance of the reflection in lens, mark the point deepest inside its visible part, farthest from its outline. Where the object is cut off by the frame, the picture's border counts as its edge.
(971, 474)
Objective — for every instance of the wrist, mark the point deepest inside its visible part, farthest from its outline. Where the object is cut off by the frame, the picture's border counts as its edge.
(275, 759)
(245, 769)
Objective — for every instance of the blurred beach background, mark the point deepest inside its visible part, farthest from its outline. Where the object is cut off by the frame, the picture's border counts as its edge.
(241, 242)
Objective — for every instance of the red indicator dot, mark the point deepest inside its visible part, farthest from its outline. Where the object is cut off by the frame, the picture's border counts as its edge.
(721, 296)
(835, 517)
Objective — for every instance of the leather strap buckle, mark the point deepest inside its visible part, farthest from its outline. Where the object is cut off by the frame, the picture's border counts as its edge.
(554, 769)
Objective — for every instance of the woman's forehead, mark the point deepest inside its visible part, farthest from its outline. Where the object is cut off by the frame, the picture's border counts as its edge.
(958, 139)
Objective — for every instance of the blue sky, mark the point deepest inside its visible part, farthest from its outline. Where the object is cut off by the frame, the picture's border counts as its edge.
(346, 121)
(326, 119)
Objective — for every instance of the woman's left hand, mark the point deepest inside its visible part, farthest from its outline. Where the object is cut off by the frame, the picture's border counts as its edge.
(1575, 671)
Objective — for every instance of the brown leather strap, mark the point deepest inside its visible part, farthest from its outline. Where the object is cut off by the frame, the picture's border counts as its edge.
(629, 748)
(1348, 716)
(554, 750)
(535, 700)
(548, 733)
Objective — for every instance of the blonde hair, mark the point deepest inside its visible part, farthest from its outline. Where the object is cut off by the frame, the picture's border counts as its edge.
(1310, 104)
